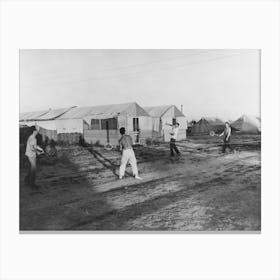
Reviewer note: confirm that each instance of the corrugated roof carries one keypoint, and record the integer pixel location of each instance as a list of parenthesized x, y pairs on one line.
[(32, 115), (105, 111), (159, 111), (54, 114)]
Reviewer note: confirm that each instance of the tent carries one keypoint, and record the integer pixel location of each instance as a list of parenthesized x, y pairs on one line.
[(205, 125), (167, 114), (94, 123), (247, 124), (31, 116), (102, 123)]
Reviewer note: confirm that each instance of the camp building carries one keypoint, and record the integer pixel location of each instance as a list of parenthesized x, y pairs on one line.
[(94, 124), (161, 115)]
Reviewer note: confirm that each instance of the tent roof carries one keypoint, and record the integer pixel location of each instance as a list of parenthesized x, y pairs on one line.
[(159, 111), (54, 114), (202, 126), (214, 121), (247, 123), (205, 125), (32, 115), (105, 111)]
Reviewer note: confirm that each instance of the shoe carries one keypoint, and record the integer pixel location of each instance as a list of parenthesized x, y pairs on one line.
[(137, 177)]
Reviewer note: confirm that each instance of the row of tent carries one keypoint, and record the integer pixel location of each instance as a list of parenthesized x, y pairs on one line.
[(101, 123), (244, 124)]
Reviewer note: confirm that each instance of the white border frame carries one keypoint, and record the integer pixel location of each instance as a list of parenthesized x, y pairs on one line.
[(177, 24)]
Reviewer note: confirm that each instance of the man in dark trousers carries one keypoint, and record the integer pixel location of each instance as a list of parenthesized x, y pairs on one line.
[(174, 135), (31, 152), (227, 134)]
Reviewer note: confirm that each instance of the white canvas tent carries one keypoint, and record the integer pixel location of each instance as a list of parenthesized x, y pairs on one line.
[(247, 124), (167, 114), (207, 124), (93, 122), (45, 119)]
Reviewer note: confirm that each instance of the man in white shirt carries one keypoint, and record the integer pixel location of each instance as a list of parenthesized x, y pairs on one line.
[(31, 152), (227, 134), (174, 134)]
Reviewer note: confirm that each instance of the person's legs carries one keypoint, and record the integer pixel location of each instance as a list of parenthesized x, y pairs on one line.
[(175, 148), (32, 173), (27, 177), (224, 146), (229, 145), (171, 147), (123, 164), (133, 163)]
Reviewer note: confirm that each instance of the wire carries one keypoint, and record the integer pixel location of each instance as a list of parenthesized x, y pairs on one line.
[(135, 65), (151, 71), (131, 66)]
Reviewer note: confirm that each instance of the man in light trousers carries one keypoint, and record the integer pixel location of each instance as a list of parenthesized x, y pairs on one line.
[(31, 152), (128, 155)]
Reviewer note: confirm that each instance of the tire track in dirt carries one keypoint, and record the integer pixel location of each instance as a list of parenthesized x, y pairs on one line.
[(181, 192), (135, 194), (119, 217)]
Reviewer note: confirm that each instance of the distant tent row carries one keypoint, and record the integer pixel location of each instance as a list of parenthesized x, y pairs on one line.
[(244, 124), (101, 123)]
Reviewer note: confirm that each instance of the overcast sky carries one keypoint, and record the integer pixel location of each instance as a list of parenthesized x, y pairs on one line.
[(223, 83)]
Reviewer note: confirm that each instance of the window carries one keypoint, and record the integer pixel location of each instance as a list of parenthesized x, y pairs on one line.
[(95, 124), (135, 124), (109, 124), (173, 121)]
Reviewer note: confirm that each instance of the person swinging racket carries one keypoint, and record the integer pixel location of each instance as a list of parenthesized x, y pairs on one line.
[(227, 134), (128, 155), (32, 149), (174, 135)]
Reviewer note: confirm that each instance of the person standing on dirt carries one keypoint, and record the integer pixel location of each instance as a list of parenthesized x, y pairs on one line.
[(31, 152), (227, 134), (128, 155), (173, 138)]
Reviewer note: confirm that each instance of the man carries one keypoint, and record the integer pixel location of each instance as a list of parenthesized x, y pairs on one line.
[(174, 134), (226, 133), (31, 151), (128, 155)]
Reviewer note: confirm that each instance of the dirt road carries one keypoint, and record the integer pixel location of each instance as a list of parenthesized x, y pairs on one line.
[(203, 190)]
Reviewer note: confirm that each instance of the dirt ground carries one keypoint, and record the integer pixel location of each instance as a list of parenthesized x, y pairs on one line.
[(203, 190)]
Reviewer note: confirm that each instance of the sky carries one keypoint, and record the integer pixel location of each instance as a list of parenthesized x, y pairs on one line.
[(207, 83)]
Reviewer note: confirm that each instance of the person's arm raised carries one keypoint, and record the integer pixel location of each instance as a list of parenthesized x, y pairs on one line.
[(169, 124)]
